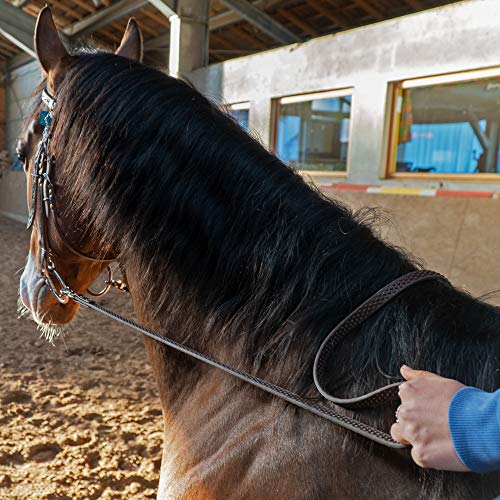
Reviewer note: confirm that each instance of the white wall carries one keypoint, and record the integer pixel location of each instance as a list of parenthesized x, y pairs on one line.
[(22, 82), (461, 36)]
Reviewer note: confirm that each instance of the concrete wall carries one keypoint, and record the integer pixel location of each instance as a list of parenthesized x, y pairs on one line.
[(20, 86), (457, 37)]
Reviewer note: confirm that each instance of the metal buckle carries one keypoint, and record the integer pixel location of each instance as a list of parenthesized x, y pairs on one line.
[(48, 100)]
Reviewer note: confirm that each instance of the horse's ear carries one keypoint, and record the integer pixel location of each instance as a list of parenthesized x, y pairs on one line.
[(131, 44), (48, 46)]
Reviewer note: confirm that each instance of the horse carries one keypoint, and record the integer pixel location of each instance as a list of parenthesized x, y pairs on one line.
[(228, 250)]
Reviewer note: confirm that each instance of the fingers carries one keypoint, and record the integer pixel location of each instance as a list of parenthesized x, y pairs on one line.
[(411, 374), (397, 434), (405, 392)]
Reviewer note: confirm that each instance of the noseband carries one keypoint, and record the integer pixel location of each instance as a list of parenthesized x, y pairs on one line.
[(44, 209)]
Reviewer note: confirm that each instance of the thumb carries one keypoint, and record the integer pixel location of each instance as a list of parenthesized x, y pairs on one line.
[(411, 374)]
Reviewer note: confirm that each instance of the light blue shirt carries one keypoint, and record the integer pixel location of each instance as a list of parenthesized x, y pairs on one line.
[(474, 419)]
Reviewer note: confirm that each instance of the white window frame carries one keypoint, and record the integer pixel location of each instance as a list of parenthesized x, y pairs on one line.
[(312, 96)]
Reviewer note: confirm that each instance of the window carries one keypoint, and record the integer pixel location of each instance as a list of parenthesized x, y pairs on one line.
[(240, 112), (312, 131), (447, 125)]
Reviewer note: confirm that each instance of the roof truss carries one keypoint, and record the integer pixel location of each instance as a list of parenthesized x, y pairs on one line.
[(261, 20), (17, 26)]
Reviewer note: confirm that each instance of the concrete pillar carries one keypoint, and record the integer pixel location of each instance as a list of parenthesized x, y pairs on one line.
[(367, 160), (3, 112), (260, 120), (189, 37), (492, 153)]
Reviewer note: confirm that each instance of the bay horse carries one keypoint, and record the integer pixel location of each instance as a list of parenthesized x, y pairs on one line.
[(230, 251)]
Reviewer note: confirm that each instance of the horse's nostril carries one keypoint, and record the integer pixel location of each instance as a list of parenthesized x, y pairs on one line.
[(23, 292)]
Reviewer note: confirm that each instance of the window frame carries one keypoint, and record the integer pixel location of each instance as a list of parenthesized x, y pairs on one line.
[(310, 96), (394, 117), (240, 106)]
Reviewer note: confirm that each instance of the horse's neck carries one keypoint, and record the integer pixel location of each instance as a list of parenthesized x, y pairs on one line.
[(224, 439)]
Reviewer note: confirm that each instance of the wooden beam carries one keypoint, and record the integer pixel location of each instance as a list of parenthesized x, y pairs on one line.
[(301, 23), (20, 3), (166, 7), (216, 22), (241, 35), (220, 40), (103, 17), (4, 52), (7, 45), (414, 4), (118, 10), (18, 60), (367, 7), (319, 6), (231, 17), (17, 26), (155, 18), (261, 20)]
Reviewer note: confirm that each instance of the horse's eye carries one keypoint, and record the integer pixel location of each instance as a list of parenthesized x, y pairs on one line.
[(21, 156)]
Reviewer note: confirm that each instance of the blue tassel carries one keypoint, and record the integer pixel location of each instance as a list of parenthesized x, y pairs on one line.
[(45, 118)]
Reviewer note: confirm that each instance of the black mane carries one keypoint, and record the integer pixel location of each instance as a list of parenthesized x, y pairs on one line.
[(236, 248)]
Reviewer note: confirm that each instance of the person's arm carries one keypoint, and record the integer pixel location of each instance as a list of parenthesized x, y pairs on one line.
[(439, 418), (474, 418)]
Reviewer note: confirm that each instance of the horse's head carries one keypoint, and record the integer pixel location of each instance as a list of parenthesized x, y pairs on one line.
[(60, 251)]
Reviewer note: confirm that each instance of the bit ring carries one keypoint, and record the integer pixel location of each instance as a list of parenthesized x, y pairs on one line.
[(107, 285)]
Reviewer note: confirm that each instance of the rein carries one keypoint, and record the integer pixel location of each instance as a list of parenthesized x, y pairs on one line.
[(43, 208)]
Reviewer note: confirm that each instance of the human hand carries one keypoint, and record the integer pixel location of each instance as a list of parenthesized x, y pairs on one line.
[(422, 419)]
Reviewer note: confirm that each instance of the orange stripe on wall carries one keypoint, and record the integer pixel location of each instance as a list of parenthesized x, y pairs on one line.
[(464, 194)]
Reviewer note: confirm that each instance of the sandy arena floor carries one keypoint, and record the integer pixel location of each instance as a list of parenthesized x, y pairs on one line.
[(80, 419)]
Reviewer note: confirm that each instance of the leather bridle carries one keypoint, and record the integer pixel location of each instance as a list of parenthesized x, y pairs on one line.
[(43, 208)]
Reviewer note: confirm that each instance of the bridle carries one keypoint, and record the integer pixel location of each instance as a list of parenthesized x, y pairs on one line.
[(43, 208)]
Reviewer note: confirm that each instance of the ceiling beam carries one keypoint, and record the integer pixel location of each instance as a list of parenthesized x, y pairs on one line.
[(103, 17), (214, 23), (122, 8), (261, 20), (230, 16), (367, 7), (166, 7), (87, 25), (18, 60), (338, 20), (17, 26), (301, 23), (20, 3), (414, 4)]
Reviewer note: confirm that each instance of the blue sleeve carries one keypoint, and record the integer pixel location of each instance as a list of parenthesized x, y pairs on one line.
[(474, 418)]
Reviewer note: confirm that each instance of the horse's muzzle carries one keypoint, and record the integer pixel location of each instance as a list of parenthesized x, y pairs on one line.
[(39, 300)]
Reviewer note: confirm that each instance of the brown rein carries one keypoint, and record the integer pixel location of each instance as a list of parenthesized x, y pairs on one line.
[(43, 205)]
